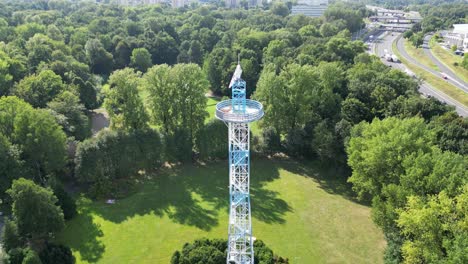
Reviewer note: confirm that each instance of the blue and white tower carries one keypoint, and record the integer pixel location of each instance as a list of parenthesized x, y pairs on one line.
[(238, 113)]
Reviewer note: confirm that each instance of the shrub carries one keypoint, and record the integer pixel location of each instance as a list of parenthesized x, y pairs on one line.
[(54, 254), (10, 237), (114, 156), (31, 257), (214, 252), (211, 140), (271, 140), (178, 146), (65, 201)]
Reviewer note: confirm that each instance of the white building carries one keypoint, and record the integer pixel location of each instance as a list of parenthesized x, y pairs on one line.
[(458, 37), (311, 8)]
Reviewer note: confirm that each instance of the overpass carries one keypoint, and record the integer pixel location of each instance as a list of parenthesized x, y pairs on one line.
[(395, 19)]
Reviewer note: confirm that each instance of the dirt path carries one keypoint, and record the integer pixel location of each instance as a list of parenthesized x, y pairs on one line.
[(99, 120)]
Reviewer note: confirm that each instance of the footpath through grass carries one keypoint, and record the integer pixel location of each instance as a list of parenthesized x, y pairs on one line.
[(434, 81), (447, 57), (300, 211)]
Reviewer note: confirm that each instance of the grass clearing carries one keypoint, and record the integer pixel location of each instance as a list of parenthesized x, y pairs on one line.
[(436, 82), (449, 59), (418, 55), (300, 211)]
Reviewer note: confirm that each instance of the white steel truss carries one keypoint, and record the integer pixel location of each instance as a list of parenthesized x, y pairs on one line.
[(240, 242)]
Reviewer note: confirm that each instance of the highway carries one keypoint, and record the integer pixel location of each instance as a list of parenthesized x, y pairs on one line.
[(446, 70), (384, 42), (401, 49)]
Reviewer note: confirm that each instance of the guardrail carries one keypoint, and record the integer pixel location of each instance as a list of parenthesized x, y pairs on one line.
[(254, 111)]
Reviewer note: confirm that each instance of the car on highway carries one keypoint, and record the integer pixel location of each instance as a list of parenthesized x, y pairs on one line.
[(444, 76)]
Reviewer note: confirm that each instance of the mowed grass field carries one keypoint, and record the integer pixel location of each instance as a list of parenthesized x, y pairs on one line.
[(302, 212)]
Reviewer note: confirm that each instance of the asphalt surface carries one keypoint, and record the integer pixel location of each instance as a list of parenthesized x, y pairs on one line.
[(401, 49), (443, 68), (384, 43)]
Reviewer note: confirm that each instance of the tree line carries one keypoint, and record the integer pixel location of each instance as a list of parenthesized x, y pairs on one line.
[(150, 68)]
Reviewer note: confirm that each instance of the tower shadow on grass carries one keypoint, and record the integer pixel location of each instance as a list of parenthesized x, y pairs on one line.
[(189, 195)]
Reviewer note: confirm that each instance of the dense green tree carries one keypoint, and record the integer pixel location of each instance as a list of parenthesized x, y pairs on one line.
[(123, 101), (435, 229), (100, 163), (280, 9), (39, 89), (6, 79), (405, 107), (37, 136), (141, 59), (31, 257), (352, 17), (214, 252), (211, 140), (218, 67), (100, 61), (35, 211), (122, 55), (177, 97), (53, 254), (287, 97), (41, 141), (69, 113), (451, 132), (10, 236), (11, 165), (465, 61), (271, 140), (376, 142)]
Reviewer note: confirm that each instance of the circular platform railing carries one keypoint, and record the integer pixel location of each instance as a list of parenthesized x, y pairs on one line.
[(254, 111)]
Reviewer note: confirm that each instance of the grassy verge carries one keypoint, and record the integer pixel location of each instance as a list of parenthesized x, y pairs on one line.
[(449, 59), (435, 81), (301, 211), (418, 54)]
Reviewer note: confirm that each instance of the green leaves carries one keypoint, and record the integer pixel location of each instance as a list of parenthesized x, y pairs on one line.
[(123, 102), (34, 210)]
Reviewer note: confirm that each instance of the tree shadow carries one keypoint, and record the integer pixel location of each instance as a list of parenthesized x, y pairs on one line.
[(82, 235), (331, 178), (190, 195), (166, 194)]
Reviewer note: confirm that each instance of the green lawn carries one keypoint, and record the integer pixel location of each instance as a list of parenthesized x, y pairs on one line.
[(301, 212), (418, 54)]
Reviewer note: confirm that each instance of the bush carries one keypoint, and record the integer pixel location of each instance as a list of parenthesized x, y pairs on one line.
[(114, 156), (31, 257), (295, 143), (65, 201), (215, 252), (271, 140), (54, 254), (10, 237), (211, 141), (15, 256), (178, 146)]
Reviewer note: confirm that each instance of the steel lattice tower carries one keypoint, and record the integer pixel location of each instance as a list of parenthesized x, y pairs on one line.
[(238, 113)]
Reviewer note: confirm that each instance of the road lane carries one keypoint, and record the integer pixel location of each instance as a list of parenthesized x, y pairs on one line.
[(401, 49), (385, 43), (450, 74)]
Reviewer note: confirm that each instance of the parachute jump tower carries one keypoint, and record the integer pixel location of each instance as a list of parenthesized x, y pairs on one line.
[(238, 113)]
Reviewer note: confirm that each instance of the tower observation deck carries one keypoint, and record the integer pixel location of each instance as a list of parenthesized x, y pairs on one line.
[(237, 113)]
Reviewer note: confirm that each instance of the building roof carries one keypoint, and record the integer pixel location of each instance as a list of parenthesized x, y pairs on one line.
[(460, 28)]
